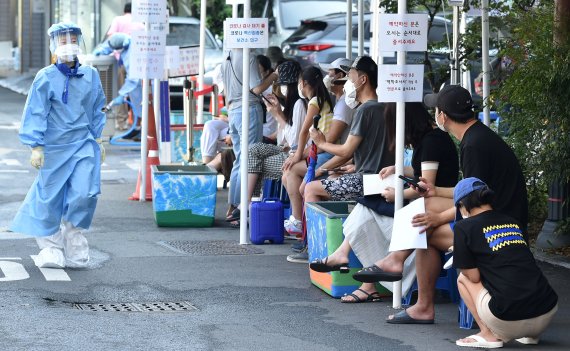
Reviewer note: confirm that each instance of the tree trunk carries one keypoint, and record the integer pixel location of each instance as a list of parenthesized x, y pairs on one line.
[(562, 22)]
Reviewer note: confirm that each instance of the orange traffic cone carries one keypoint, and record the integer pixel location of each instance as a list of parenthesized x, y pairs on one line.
[(151, 160)]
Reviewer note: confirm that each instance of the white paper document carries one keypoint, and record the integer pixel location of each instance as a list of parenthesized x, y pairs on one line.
[(373, 184), (404, 235)]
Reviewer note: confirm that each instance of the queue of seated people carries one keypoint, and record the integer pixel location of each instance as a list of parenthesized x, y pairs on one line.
[(356, 136)]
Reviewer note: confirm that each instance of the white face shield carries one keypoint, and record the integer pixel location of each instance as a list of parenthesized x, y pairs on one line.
[(67, 44)]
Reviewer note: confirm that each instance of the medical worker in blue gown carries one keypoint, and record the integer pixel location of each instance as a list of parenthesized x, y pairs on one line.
[(62, 124), (132, 87)]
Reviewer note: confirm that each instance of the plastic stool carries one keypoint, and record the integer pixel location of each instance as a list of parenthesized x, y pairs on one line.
[(447, 281), (465, 317), (272, 189)]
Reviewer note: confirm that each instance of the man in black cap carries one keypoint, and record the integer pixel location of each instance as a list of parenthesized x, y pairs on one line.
[(484, 155), (366, 142)]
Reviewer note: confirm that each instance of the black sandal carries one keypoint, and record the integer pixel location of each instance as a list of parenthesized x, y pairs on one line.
[(235, 216), (375, 274), (321, 266), (373, 297)]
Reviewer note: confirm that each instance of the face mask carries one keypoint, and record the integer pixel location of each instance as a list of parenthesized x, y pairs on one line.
[(327, 80), (350, 94), (300, 91), (440, 126), (68, 52), (283, 90)]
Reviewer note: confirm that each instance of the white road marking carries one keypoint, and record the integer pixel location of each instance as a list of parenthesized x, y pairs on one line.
[(15, 125), (13, 271), (11, 258), (10, 162), (133, 165), (109, 171), (6, 235), (53, 274), (14, 171)]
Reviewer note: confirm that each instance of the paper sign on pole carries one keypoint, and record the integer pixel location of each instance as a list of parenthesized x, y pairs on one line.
[(403, 32), (188, 61), (240, 33), (400, 83), (149, 11), (172, 59), (147, 54)]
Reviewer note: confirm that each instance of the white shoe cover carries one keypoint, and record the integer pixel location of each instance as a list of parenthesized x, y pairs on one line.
[(50, 257), (55, 240), (75, 246)]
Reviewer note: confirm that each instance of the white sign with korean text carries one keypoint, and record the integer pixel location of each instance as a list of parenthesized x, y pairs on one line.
[(151, 11), (242, 33), (172, 60), (147, 52), (403, 32), (400, 83), (188, 62)]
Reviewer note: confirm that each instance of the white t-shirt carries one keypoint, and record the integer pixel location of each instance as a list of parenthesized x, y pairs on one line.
[(289, 134), (344, 114)]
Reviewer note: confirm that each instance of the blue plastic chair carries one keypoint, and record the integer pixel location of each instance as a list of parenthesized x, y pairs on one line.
[(272, 188), (447, 282), (465, 317)]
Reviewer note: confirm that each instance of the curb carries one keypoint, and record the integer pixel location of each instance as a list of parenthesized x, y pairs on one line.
[(556, 260)]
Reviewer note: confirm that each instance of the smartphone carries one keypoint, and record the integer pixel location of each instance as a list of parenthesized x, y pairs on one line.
[(412, 182), (334, 170)]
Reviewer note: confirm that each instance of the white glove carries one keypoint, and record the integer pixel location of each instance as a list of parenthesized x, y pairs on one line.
[(101, 148), (37, 158)]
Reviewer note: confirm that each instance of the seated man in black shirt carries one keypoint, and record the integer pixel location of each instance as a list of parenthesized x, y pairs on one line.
[(500, 282), (483, 155)]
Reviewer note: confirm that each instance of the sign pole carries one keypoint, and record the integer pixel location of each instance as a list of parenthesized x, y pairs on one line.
[(400, 130), (360, 27), (485, 59), (144, 131), (244, 136), (200, 116), (349, 29)]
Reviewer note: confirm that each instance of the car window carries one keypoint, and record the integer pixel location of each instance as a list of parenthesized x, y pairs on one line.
[(308, 28), (186, 34), (367, 33), (437, 32), (293, 12)]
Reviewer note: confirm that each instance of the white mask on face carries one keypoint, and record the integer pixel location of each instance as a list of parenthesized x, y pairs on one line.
[(67, 52), (350, 94), (440, 126), (300, 91), (327, 80), (283, 89)]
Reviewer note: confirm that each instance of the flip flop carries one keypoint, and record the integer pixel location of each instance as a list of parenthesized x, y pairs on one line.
[(403, 317), (319, 265), (480, 342), (235, 216), (375, 274), (373, 297)]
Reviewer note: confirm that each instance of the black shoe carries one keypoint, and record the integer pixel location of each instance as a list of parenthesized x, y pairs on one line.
[(375, 274), (319, 265)]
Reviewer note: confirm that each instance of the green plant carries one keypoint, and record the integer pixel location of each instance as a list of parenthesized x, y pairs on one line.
[(533, 100)]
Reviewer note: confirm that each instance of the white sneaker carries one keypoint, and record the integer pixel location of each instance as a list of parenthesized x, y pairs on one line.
[(294, 226), (50, 257)]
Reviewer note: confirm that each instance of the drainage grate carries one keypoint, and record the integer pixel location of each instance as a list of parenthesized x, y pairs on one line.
[(210, 247), (180, 306)]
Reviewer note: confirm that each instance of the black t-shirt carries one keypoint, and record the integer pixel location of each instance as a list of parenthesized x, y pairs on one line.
[(437, 146), (486, 156), (493, 243)]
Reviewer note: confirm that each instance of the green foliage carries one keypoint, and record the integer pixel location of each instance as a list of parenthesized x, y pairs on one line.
[(534, 99)]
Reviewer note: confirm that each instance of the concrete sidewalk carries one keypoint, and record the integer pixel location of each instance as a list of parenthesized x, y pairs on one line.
[(254, 300)]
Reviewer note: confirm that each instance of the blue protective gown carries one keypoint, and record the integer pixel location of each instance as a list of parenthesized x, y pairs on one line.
[(132, 86), (69, 182)]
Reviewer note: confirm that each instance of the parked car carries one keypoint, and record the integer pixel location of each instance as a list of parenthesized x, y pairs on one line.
[(285, 15)]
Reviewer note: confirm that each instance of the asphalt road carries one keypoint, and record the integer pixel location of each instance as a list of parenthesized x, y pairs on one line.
[(242, 302)]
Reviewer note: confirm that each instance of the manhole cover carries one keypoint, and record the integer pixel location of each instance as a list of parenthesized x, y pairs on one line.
[(211, 247), (179, 306)]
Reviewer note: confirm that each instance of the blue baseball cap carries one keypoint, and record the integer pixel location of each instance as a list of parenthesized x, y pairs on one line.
[(465, 187)]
